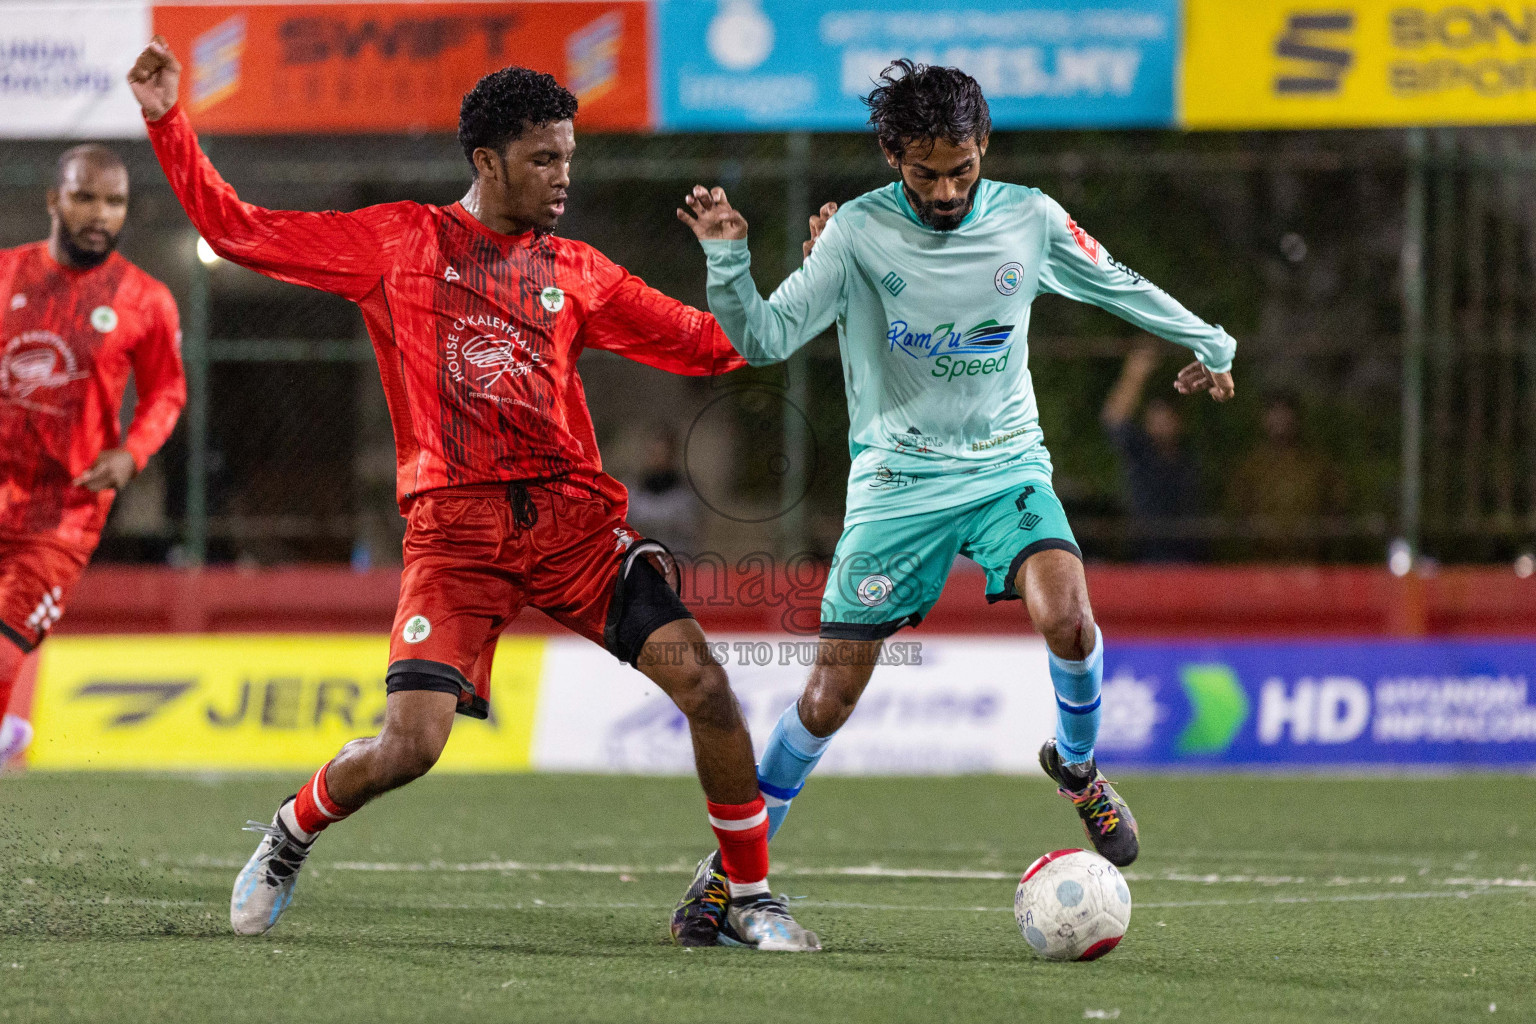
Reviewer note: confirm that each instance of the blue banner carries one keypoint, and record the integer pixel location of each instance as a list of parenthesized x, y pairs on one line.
[(1453, 703), (795, 64)]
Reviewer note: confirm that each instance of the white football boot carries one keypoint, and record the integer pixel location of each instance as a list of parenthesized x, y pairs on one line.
[(15, 736), (763, 922), (264, 886)]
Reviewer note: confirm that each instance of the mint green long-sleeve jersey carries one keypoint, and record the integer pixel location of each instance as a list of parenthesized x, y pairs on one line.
[(933, 328)]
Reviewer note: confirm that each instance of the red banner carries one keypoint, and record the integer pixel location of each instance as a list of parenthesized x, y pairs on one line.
[(399, 67)]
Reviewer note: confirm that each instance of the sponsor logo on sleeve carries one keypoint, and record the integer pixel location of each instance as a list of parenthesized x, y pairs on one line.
[(417, 629), (1085, 241)]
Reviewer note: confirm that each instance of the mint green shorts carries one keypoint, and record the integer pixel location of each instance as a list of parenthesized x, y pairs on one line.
[(888, 573)]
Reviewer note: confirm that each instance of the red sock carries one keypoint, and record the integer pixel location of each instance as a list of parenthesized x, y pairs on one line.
[(11, 660), (313, 808), (743, 833)]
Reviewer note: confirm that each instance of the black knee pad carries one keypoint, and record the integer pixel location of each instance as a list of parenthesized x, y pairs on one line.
[(643, 600), (439, 678)]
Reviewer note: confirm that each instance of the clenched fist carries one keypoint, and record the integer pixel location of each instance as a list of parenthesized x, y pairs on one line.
[(155, 78)]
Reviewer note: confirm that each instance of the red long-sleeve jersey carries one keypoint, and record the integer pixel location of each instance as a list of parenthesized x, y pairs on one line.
[(70, 338), (476, 333)]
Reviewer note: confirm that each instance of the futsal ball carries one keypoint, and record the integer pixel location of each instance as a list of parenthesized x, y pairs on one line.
[(1072, 905)]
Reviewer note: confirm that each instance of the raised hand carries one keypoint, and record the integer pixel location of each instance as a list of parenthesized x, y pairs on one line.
[(1195, 378), (711, 215), (818, 225), (155, 78)]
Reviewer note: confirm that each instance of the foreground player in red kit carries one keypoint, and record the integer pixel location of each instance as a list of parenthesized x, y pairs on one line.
[(477, 314), (75, 318)]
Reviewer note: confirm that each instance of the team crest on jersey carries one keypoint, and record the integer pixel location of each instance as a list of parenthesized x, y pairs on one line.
[(104, 319), (552, 299), (1009, 277), (484, 350), (34, 361), (18, 300)]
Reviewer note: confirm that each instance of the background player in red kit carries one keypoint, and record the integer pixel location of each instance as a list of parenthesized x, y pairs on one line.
[(477, 315), (75, 318)]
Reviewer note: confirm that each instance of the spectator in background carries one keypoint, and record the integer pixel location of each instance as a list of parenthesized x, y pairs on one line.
[(1281, 488), (1162, 479), (661, 503)]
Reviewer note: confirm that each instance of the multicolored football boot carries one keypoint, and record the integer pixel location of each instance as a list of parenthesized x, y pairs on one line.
[(1106, 818), (701, 914)]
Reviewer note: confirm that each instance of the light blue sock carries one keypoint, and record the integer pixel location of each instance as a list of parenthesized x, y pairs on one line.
[(1077, 686), (789, 757)]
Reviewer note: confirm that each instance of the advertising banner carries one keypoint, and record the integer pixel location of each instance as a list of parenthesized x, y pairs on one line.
[(792, 64), (945, 706), (63, 68), (1295, 64), (249, 702), (1385, 703), (937, 705), (399, 67)]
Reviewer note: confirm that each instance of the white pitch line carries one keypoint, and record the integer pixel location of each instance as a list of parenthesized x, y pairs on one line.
[(815, 904), (500, 866), (1361, 897), (812, 903), (856, 871)]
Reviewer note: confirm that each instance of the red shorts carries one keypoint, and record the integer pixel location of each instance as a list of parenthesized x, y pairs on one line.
[(476, 556), (36, 576)]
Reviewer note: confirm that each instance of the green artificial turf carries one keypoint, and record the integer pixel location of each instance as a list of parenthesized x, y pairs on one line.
[(545, 898)]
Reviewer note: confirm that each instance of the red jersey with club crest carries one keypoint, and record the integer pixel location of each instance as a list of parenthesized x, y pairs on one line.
[(68, 340), (476, 333)]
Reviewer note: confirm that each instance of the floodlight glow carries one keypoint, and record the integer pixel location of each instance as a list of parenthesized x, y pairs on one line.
[(205, 253)]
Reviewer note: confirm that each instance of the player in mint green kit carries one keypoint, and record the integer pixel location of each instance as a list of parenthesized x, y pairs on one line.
[(930, 281)]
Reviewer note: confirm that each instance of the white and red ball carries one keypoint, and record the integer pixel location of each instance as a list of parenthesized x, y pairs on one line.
[(1072, 905)]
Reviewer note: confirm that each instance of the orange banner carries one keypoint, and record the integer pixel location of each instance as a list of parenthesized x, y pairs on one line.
[(399, 67)]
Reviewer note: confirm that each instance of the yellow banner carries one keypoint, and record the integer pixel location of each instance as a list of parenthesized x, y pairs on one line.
[(1357, 63), (251, 702)]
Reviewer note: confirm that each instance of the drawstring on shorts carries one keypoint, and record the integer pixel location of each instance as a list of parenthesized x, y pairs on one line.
[(524, 512)]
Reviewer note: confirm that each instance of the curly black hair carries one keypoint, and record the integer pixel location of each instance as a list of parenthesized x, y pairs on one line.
[(918, 103), (504, 103)]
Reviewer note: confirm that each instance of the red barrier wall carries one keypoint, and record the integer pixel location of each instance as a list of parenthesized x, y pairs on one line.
[(1130, 601)]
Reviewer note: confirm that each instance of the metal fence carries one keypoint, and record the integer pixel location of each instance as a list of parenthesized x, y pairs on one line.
[(1378, 282)]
